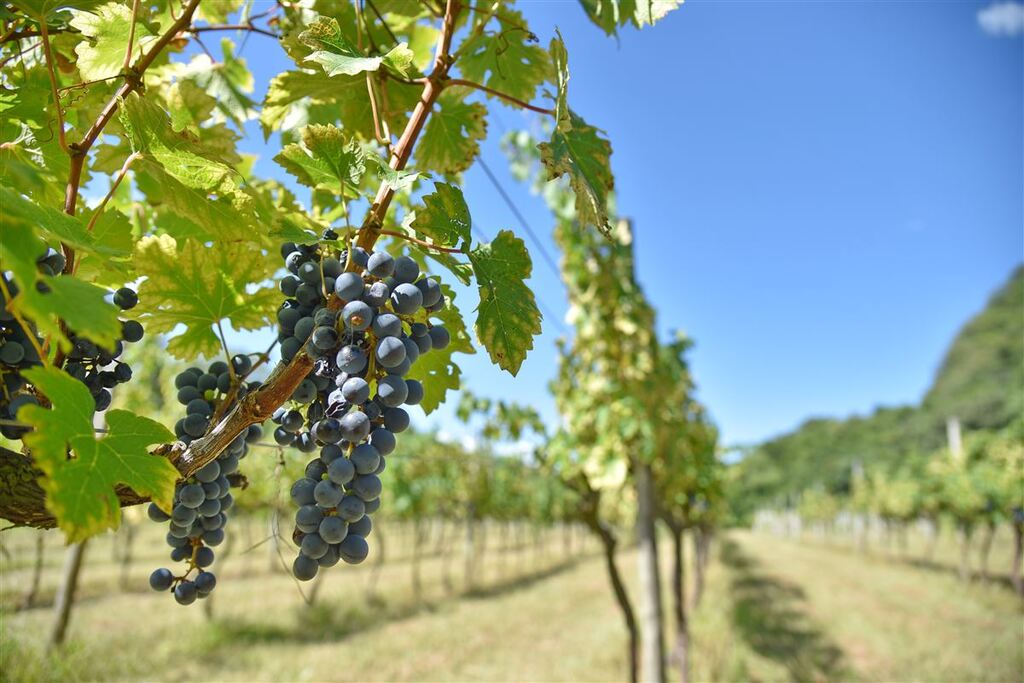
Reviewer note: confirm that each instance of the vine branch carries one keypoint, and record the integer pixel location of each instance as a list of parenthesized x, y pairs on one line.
[(497, 93), (422, 243)]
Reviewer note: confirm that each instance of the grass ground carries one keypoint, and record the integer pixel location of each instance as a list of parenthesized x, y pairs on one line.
[(774, 610)]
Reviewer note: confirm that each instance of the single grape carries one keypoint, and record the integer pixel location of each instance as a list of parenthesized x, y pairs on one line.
[(341, 471), (185, 593), (406, 299), (367, 486), (304, 568), (383, 440), (327, 494), (348, 286), (351, 508), (380, 264), (206, 582), (353, 549), (365, 458), (161, 579), (313, 546), (390, 351)]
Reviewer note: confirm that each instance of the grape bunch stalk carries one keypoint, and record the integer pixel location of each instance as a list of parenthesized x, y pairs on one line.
[(352, 397), (201, 502), (98, 368)]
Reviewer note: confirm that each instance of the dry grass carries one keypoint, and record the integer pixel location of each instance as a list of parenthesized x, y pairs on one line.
[(773, 611)]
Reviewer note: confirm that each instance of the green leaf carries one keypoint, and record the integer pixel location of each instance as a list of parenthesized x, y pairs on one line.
[(42, 8), (178, 181), (218, 11), (295, 98), (577, 150), (229, 82), (444, 218), (338, 56), (507, 317), (462, 271), (200, 287), (398, 181), (189, 105), (27, 228), (80, 491), (451, 138), (509, 61), (435, 369), (106, 31), (325, 161), (611, 14)]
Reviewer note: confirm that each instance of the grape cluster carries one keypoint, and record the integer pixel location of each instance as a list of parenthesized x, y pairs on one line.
[(201, 502), (370, 344), (96, 367)]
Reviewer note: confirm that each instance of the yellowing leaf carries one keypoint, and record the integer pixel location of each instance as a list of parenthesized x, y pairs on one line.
[(451, 138), (80, 490), (444, 217), (201, 287), (106, 30), (325, 161), (576, 149)]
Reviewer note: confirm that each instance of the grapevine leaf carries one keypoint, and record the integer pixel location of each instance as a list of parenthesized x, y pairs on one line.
[(179, 181), (80, 491), (149, 130), (507, 317), (510, 61), (27, 228), (292, 95), (199, 287), (444, 217), (436, 369), (462, 271), (106, 30), (218, 11), (609, 15), (338, 56), (189, 106), (42, 8), (451, 138), (325, 161), (398, 181), (576, 149), (228, 81)]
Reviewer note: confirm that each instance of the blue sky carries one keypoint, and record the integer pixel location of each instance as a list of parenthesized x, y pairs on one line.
[(822, 193)]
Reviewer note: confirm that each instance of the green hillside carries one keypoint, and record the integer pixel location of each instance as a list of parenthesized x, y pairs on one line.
[(980, 380)]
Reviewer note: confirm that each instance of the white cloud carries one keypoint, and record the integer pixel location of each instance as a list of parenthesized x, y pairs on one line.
[(1002, 18)]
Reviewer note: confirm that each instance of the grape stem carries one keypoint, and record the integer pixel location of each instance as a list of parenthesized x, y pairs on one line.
[(422, 243)]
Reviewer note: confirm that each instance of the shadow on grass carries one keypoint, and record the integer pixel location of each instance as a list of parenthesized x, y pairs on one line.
[(330, 621), (769, 615)]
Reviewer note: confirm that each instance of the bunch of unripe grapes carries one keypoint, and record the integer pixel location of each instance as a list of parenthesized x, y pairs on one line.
[(201, 502), (98, 368), (349, 406)]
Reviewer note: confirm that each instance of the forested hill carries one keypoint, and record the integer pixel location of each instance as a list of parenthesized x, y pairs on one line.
[(980, 380)]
